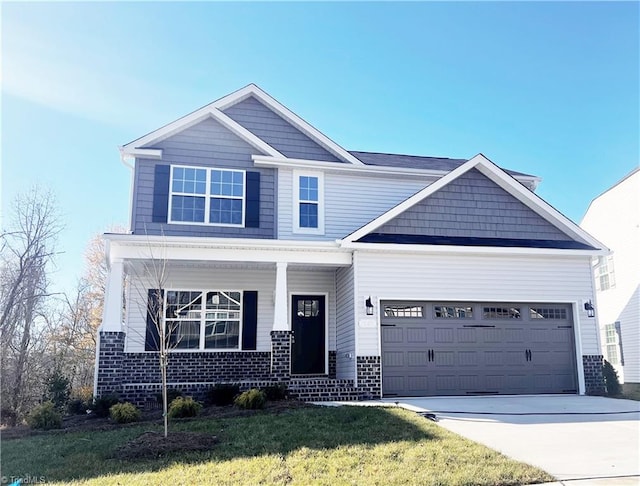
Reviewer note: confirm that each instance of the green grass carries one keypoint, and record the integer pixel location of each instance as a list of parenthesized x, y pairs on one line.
[(332, 446)]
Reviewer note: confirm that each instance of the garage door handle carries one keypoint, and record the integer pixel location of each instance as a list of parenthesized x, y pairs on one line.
[(527, 354), (430, 355)]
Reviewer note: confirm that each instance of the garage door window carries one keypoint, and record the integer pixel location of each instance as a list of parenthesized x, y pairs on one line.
[(392, 310), (452, 312), (501, 313), (545, 313)]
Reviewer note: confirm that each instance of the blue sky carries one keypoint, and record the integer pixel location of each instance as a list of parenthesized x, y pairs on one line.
[(545, 88)]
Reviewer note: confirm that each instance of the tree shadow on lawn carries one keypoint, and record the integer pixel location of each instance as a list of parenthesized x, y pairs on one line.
[(76, 457)]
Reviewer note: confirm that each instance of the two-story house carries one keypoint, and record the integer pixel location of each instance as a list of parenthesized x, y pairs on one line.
[(285, 258)]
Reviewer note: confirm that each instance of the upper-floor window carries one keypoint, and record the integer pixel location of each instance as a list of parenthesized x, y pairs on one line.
[(207, 196), (308, 203), (604, 273)]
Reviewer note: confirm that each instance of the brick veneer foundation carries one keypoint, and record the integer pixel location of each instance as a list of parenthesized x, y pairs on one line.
[(593, 379)]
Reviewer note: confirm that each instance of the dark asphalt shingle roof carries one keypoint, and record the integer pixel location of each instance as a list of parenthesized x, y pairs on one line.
[(415, 162)]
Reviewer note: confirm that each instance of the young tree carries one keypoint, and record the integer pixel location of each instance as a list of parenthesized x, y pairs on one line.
[(27, 249)]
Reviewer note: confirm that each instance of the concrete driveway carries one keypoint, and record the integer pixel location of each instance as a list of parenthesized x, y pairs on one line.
[(569, 436)]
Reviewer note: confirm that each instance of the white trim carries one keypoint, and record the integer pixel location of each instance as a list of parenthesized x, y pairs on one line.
[(142, 153), (207, 249), (319, 230), (192, 119), (500, 177), (326, 324), (289, 116), (207, 196), (470, 250)]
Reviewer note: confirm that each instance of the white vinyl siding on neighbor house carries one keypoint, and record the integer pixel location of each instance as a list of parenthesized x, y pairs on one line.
[(489, 278), (350, 201)]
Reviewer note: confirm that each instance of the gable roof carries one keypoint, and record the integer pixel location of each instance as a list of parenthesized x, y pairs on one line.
[(502, 179), (215, 110)]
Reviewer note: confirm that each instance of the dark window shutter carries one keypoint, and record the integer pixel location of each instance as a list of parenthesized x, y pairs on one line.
[(252, 216), (249, 319), (161, 178), (152, 337)]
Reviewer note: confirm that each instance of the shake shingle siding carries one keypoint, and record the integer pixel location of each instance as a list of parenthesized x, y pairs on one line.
[(207, 144), (473, 206), (276, 131)]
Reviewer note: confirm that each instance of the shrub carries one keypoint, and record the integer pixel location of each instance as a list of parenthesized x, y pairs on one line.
[(611, 380), (222, 394), (276, 392), (123, 413), (184, 407), (101, 405), (58, 389), (45, 416), (75, 406), (252, 399), (172, 394)]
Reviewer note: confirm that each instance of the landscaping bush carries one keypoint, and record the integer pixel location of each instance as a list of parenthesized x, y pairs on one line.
[(611, 380), (45, 416), (222, 394), (182, 407), (123, 413), (276, 392), (252, 399), (58, 389), (76, 406), (172, 394), (101, 405)]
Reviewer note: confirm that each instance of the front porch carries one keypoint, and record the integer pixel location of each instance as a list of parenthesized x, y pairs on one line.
[(294, 339)]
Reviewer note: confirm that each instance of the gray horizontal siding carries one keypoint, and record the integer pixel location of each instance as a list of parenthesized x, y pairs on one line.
[(473, 206), (277, 132), (207, 144)]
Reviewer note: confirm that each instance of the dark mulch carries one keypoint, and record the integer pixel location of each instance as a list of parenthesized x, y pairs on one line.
[(84, 423), (151, 445)]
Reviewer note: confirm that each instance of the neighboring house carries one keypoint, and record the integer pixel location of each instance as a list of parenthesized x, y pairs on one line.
[(345, 275), (614, 218)]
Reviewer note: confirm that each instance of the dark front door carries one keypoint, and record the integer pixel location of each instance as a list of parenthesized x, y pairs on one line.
[(308, 353)]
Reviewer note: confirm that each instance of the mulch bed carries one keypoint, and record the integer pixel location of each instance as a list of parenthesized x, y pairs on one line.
[(84, 423), (151, 445)]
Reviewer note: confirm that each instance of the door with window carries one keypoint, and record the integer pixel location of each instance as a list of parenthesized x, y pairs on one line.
[(308, 349)]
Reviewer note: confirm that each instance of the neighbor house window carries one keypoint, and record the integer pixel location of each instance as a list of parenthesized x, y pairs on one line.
[(604, 273), (207, 319), (611, 340), (207, 196), (308, 202)]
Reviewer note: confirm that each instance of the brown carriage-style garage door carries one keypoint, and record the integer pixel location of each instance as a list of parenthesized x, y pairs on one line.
[(471, 348)]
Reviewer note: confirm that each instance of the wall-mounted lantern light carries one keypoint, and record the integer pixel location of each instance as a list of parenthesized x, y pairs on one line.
[(369, 306), (588, 306)]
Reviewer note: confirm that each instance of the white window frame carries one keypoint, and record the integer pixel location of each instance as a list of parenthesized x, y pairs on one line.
[(208, 196), (203, 319), (297, 201)]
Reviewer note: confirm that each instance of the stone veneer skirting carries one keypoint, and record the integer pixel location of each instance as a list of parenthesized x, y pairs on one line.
[(593, 378)]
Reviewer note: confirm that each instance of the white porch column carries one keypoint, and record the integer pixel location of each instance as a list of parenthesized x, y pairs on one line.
[(280, 318), (112, 313)]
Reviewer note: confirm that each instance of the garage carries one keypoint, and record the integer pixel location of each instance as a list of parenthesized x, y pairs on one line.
[(477, 348)]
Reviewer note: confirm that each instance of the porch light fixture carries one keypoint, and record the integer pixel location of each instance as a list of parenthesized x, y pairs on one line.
[(588, 306), (369, 306)]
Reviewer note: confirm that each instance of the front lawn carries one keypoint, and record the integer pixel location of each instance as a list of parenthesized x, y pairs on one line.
[(344, 445)]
